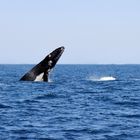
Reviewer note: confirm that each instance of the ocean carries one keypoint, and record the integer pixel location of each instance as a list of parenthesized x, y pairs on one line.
[(80, 102)]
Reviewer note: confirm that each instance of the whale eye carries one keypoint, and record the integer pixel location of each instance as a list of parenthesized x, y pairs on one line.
[(49, 55)]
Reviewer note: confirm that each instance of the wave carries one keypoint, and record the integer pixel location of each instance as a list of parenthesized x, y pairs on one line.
[(104, 78), (3, 84), (46, 96), (136, 79), (4, 106)]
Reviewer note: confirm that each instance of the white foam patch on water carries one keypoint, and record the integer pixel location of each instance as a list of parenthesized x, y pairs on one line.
[(104, 78), (107, 78), (50, 80)]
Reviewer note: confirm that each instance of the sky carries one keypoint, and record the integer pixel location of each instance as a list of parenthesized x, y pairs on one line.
[(92, 31)]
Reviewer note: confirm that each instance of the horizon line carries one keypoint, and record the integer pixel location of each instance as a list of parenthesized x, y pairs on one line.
[(74, 64)]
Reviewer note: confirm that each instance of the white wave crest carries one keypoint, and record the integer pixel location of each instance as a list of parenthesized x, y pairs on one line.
[(105, 78)]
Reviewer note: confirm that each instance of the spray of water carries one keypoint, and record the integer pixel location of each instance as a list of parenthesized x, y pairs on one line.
[(104, 78)]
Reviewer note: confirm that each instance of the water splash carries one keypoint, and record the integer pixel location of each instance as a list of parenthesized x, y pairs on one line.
[(104, 78), (50, 80)]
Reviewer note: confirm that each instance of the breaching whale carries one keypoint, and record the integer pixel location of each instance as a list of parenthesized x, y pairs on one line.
[(41, 71)]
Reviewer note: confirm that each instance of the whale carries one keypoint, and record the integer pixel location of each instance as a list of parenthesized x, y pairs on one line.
[(40, 72)]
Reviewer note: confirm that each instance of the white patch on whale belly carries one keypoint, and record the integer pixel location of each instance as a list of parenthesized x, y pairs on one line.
[(39, 77)]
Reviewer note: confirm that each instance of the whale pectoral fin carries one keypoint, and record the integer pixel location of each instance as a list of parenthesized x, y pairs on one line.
[(46, 75)]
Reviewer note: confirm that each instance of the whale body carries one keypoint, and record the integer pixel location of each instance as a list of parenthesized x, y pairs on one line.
[(40, 72)]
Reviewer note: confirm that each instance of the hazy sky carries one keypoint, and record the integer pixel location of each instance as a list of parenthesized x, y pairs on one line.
[(93, 31)]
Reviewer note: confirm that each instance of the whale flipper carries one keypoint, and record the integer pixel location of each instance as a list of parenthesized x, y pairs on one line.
[(41, 71)]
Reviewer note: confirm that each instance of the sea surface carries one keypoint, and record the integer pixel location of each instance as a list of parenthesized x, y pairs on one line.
[(80, 102)]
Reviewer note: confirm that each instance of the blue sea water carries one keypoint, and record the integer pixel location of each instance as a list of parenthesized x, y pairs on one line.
[(81, 102)]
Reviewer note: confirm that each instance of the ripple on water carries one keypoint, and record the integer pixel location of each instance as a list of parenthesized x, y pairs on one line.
[(4, 106), (131, 116), (46, 96), (127, 103)]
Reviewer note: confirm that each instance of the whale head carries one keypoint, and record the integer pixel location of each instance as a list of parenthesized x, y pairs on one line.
[(53, 57)]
